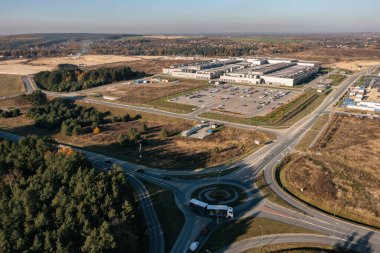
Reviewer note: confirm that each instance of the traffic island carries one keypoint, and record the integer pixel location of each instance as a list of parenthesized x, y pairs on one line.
[(220, 194)]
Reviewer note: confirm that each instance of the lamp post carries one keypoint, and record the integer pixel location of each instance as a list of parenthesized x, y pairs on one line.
[(261, 239)]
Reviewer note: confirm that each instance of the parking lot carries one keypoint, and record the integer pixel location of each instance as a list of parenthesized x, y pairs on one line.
[(236, 100)]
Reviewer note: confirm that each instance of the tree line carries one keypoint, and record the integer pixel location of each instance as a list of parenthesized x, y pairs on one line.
[(72, 78), (54, 202), (15, 112)]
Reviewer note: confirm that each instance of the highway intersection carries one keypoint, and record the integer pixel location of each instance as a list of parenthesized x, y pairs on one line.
[(334, 230)]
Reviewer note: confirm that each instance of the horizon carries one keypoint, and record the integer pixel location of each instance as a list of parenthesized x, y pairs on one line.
[(170, 17)]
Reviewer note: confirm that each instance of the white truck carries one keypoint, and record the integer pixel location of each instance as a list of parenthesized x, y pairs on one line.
[(211, 210)]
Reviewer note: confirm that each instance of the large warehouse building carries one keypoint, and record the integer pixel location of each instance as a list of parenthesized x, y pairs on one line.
[(249, 71)]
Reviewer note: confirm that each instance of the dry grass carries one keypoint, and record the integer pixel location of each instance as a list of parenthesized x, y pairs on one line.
[(175, 152), (340, 174), (10, 84)]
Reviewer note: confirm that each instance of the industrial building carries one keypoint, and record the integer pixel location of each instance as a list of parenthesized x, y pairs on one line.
[(249, 71)]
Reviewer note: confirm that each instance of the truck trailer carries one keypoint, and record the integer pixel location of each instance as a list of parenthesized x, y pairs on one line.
[(211, 210)]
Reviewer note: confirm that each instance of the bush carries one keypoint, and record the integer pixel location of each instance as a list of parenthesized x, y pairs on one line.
[(164, 134), (10, 114), (215, 151), (126, 118)]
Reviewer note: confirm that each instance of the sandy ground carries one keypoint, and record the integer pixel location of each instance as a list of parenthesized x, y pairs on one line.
[(355, 65), (20, 67), (27, 67)]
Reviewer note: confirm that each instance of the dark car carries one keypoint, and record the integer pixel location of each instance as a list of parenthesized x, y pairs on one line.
[(166, 177), (140, 170), (205, 231)]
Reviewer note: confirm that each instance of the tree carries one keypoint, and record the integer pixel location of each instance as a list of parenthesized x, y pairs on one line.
[(96, 130), (144, 128), (54, 201), (126, 118), (37, 98), (164, 134)]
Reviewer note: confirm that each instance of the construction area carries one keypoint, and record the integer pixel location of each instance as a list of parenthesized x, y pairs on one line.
[(365, 96), (251, 71), (240, 101)]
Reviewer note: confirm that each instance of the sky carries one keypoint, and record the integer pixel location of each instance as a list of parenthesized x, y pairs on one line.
[(189, 16)]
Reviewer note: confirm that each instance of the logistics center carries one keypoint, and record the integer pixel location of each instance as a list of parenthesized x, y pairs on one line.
[(248, 71)]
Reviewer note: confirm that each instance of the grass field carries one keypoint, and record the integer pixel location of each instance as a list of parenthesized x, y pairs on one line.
[(238, 230), (10, 85), (283, 116), (336, 79), (167, 213), (342, 169)]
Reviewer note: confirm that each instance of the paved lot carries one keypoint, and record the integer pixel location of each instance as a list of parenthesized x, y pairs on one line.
[(241, 101)]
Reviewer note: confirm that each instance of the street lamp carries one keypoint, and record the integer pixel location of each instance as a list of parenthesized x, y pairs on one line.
[(219, 175), (261, 239)]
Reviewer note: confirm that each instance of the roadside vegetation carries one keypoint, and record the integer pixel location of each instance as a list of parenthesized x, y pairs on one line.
[(283, 116), (242, 229), (53, 201), (170, 217), (72, 78), (10, 85), (341, 169)]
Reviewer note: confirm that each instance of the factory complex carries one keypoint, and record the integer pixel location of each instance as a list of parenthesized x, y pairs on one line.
[(247, 71)]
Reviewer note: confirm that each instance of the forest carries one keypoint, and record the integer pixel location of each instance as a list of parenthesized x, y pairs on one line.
[(66, 116), (72, 78), (52, 201)]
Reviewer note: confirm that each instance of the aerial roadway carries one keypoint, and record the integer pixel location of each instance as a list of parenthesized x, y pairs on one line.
[(335, 230)]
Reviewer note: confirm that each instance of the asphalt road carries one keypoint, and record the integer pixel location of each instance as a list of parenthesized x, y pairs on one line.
[(260, 241), (264, 159)]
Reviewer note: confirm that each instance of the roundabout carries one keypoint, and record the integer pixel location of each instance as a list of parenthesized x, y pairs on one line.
[(220, 194)]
